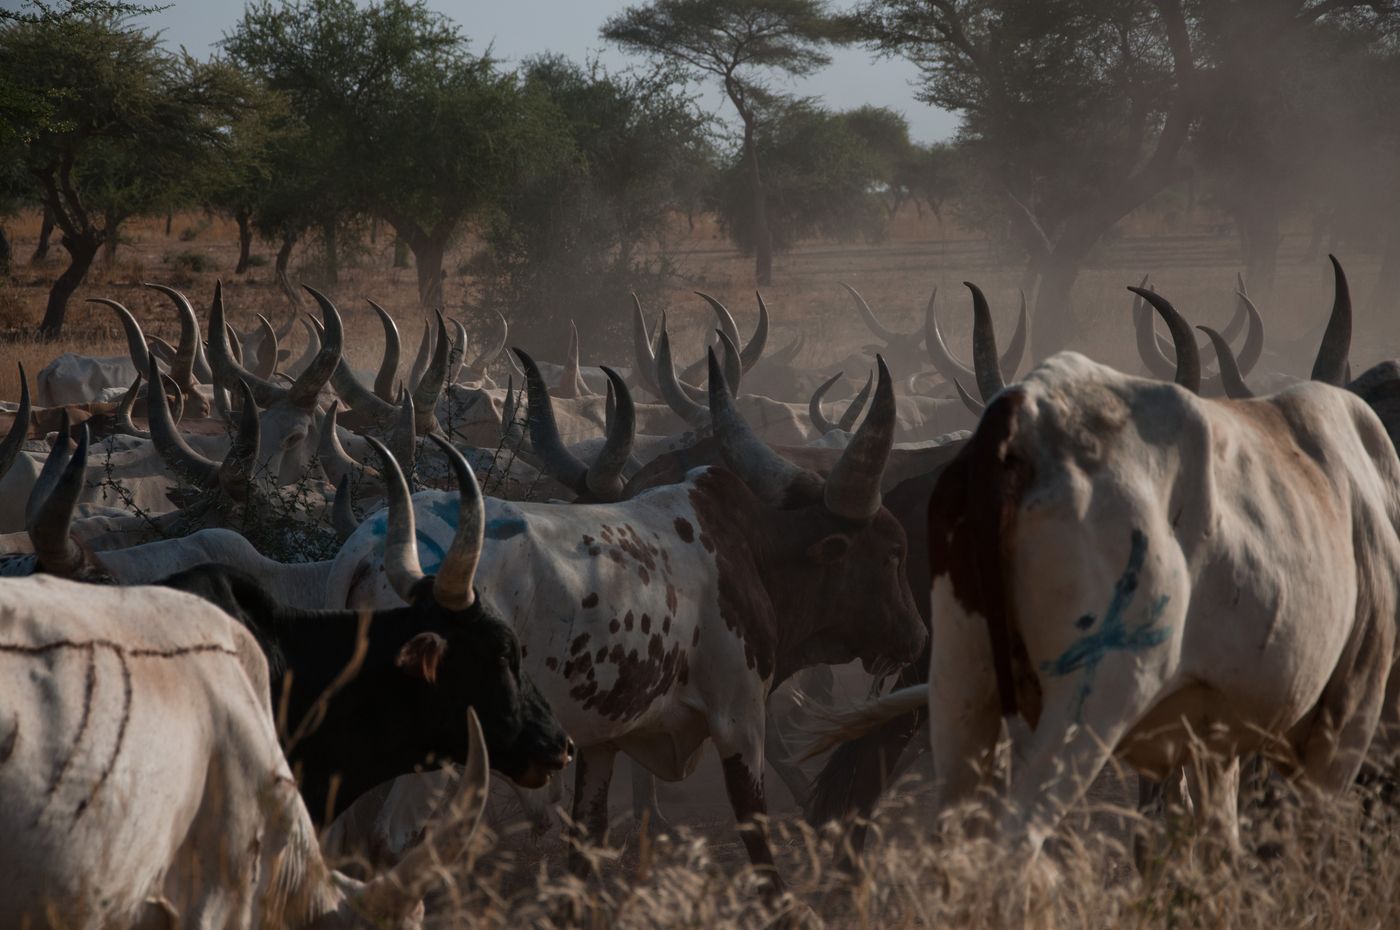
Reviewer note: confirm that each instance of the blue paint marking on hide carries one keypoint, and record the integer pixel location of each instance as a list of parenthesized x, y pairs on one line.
[(1113, 634), (504, 527), (430, 551)]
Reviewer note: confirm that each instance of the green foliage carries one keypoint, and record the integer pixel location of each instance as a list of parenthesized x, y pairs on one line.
[(400, 119), (574, 240), (822, 176)]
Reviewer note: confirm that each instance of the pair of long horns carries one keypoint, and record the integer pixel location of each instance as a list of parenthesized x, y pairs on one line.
[(601, 481), (673, 391), (848, 419), (234, 473), (1232, 367), (989, 370), (188, 364), (1331, 365), (304, 391), (646, 350), (453, 584), (852, 487), (437, 357)]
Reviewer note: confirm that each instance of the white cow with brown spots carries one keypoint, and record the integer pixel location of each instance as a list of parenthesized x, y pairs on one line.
[(143, 783), (654, 624)]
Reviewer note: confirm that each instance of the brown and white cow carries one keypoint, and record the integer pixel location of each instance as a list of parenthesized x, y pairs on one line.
[(654, 624), (143, 782), (1131, 566)]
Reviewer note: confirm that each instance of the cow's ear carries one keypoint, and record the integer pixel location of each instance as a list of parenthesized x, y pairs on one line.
[(420, 656), (831, 549)]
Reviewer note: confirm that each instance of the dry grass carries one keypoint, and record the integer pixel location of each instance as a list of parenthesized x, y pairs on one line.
[(1190, 263), (1335, 865)]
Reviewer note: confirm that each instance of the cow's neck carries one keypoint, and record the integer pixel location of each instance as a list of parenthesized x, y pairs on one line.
[(765, 594)]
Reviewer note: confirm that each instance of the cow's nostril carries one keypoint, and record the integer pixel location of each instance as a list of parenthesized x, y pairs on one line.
[(569, 749)]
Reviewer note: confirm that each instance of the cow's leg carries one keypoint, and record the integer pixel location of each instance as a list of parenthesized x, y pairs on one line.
[(645, 805), (962, 708), (740, 749), (780, 758), (592, 779)]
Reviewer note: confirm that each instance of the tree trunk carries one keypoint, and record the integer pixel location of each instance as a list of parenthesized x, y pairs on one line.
[(428, 252), (762, 235), (41, 249), (112, 240), (1055, 327), (374, 230), (400, 252), (83, 250), (6, 251), (284, 251), (330, 242), (169, 222), (245, 240), (1260, 237)]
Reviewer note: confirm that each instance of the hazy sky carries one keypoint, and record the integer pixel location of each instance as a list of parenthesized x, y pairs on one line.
[(519, 28)]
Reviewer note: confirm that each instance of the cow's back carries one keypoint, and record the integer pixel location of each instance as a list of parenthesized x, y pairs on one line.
[(137, 755)]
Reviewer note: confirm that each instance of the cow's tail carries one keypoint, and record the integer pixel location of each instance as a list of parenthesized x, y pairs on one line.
[(831, 726)]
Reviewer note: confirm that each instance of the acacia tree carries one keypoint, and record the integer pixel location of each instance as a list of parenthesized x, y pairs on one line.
[(120, 123), (414, 129), (742, 43), (1078, 112), (823, 178)]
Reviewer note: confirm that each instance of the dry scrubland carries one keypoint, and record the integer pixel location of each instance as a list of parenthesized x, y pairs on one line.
[(1193, 264), (1333, 864)]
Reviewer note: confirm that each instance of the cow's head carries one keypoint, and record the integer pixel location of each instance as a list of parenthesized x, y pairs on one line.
[(287, 414), (834, 558), (466, 654)]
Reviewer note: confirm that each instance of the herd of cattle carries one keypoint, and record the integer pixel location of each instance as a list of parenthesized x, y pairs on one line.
[(189, 728)]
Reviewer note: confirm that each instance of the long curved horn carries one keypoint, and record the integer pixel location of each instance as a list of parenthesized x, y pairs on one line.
[(644, 362), (389, 363), (268, 347), (488, 356), (854, 408), (313, 346), (733, 367), (1015, 352), (193, 468), (19, 427), (420, 361), (428, 391), (306, 389), (360, 399), (1230, 377), (604, 476), (135, 339), (236, 471), (1158, 365), (1331, 363), (1188, 359), (853, 484), (335, 461), (558, 461), (53, 466), (124, 424), (190, 362), (726, 323), (671, 392), (403, 439), (343, 519), (401, 563), (985, 362), (770, 477), (570, 383), (453, 585), (876, 327), (814, 406), (227, 370), (395, 895), (970, 402), (938, 352), (51, 526), (457, 355), (1238, 320), (789, 352), (753, 349)]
